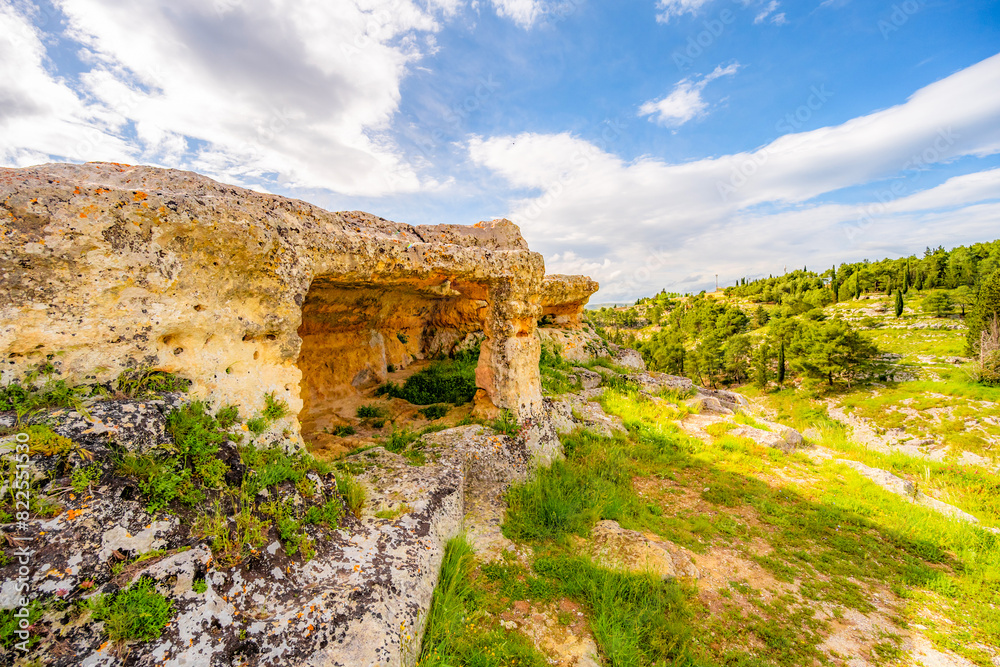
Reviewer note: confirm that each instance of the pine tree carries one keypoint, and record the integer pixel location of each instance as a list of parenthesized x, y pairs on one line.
[(899, 303)]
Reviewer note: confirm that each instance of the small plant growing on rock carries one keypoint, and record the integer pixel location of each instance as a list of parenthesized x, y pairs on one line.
[(506, 424), (228, 416), (274, 408), (83, 477), (136, 613), (148, 383), (257, 425), (352, 491), (199, 586)]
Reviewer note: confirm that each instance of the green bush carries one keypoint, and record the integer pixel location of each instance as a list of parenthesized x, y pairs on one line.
[(136, 613), (448, 381), (372, 411), (434, 411)]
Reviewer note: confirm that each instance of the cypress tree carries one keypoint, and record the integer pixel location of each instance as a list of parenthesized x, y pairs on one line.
[(899, 303), (985, 309), (781, 364)]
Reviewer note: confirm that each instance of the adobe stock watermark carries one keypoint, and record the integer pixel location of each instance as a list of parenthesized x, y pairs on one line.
[(913, 167), (21, 487), (789, 123), (899, 16), (698, 43), (581, 161)]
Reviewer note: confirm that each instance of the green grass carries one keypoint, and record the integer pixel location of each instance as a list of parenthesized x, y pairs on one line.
[(352, 491), (274, 408), (840, 537), (146, 383), (637, 619), (506, 423), (372, 411), (136, 613), (458, 630)]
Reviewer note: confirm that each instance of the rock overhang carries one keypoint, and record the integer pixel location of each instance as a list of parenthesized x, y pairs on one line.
[(107, 266)]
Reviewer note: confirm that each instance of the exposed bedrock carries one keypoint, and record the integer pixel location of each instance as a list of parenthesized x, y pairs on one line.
[(106, 266)]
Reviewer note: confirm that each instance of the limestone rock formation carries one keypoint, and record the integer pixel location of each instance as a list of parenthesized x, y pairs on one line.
[(107, 266), (564, 297)]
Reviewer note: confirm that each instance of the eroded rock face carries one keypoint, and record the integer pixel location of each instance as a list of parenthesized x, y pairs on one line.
[(564, 297), (106, 266)]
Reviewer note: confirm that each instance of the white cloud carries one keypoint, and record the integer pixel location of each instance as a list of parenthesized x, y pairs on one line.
[(685, 101), (672, 8), (521, 12), (40, 115), (767, 11), (751, 210), (302, 98)]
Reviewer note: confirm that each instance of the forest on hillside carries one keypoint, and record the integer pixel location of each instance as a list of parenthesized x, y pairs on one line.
[(770, 330)]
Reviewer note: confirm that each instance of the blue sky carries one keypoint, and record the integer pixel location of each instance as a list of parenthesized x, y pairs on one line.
[(648, 143)]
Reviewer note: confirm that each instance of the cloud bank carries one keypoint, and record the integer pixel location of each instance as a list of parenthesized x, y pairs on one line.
[(651, 219)]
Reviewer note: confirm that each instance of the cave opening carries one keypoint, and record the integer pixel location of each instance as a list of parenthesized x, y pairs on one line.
[(358, 335)]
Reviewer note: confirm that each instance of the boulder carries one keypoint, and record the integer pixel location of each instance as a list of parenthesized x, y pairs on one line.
[(762, 437), (588, 378)]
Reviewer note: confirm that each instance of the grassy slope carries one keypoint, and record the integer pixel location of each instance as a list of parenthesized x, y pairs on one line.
[(800, 554)]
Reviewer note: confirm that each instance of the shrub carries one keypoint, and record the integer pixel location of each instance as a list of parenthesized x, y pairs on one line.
[(434, 411), (372, 411), (341, 431), (449, 381), (228, 416), (399, 440), (257, 425), (138, 612)]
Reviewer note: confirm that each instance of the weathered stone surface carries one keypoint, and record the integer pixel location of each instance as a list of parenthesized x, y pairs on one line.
[(572, 411), (629, 550), (762, 437), (563, 299), (361, 601), (575, 345), (588, 378), (654, 382), (708, 404), (627, 357), (246, 294)]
